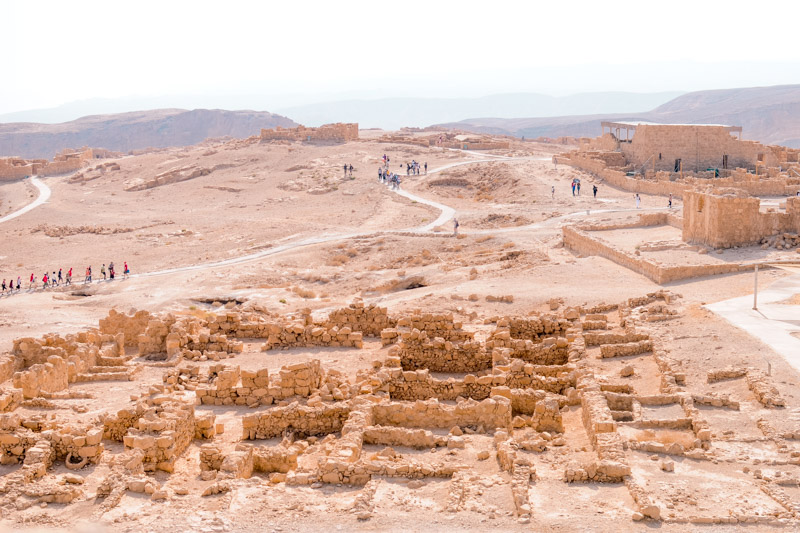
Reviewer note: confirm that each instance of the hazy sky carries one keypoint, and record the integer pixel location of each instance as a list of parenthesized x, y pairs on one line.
[(303, 51)]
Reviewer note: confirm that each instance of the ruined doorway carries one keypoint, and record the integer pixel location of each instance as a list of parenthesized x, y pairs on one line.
[(677, 165), (725, 161)]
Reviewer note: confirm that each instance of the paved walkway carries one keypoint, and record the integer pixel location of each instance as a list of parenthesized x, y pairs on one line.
[(773, 323), (44, 195)]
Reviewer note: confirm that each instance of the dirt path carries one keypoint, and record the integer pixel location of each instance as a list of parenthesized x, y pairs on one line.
[(44, 195)]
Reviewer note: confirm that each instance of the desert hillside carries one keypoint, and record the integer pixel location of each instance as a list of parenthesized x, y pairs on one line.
[(767, 114), (123, 132)]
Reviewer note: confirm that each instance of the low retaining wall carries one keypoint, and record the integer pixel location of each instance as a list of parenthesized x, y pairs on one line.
[(580, 241)]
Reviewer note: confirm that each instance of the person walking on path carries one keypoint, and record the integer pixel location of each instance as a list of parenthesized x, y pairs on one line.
[(579, 187), (111, 270), (455, 227), (33, 281), (69, 276), (573, 187), (426, 167), (670, 201), (126, 271), (638, 200), (53, 280), (103, 271), (594, 190), (345, 170), (19, 283), (88, 278), (60, 279), (553, 192)]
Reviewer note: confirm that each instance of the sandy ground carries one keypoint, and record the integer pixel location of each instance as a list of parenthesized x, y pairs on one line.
[(275, 194), (15, 195)]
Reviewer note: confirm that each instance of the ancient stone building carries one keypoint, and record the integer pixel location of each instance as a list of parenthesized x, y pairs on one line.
[(690, 147), (332, 133), (68, 160), (727, 220), (14, 168)]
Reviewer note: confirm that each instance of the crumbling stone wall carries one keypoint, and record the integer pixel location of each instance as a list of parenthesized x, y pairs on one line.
[(49, 377), (757, 381), (46, 366), (551, 351), (369, 320), (248, 458), (14, 168), (162, 433), (339, 132), (304, 421), (534, 329), (77, 445), (417, 351), (228, 385), (400, 436), (724, 221), (130, 324), (436, 325), (490, 413)]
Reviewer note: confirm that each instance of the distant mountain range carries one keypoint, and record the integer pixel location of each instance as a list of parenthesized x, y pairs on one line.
[(133, 131), (767, 114), (395, 113)]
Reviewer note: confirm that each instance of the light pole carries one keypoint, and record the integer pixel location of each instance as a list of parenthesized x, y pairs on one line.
[(755, 289)]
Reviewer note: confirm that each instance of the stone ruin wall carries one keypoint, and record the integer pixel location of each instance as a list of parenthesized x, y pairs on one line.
[(339, 133), (480, 145), (582, 240), (699, 147), (727, 221), (66, 161), (228, 385), (14, 169), (662, 184), (703, 146), (402, 139)]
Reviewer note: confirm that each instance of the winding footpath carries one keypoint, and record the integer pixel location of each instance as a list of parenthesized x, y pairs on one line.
[(44, 195)]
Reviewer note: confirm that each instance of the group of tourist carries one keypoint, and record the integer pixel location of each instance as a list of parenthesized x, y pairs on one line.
[(111, 272), (384, 176), (413, 168), (348, 168), (576, 187), (59, 278)]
